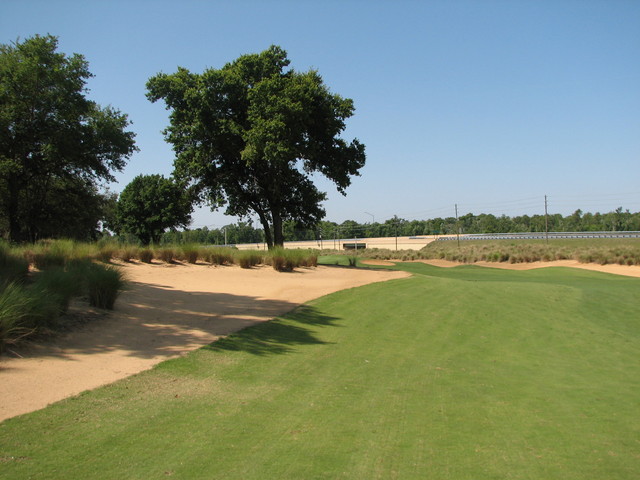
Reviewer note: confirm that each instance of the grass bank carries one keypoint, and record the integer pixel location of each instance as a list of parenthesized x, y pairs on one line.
[(464, 373), (597, 250), (602, 251)]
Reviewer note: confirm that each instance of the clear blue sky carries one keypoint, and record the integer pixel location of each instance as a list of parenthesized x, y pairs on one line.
[(490, 105)]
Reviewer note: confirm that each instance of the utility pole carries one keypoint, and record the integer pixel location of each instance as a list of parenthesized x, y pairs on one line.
[(546, 220), (457, 226)]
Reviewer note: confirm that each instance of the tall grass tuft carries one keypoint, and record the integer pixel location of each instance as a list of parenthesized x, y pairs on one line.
[(105, 254), (13, 268), (23, 311), (190, 253), (103, 284), (14, 308), (61, 285), (166, 254), (249, 258), (145, 255), (284, 260), (126, 253), (220, 256)]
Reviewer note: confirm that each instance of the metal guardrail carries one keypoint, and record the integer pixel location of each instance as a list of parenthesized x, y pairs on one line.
[(540, 236)]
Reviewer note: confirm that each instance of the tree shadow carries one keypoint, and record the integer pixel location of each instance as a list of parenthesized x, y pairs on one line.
[(278, 336), (157, 321)]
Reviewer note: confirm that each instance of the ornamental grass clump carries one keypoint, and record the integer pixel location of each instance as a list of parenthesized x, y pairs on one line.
[(13, 268), (15, 306), (145, 255), (60, 284), (44, 259), (126, 253), (105, 254), (103, 284), (279, 261), (23, 311), (249, 258), (190, 253), (220, 256), (165, 254), (284, 260)]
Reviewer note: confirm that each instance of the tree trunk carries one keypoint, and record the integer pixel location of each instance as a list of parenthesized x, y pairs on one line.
[(278, 237), (267, 230)]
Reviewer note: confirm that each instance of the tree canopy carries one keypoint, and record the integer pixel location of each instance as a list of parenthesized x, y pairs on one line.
[(251, 134), (151, 204), (55, 144)]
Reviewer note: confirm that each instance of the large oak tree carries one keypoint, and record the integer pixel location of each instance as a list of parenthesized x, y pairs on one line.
[(251, 134), (56, 146)]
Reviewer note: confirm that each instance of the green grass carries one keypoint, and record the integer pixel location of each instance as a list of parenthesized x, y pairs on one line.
[(340, 260), (464, 373)]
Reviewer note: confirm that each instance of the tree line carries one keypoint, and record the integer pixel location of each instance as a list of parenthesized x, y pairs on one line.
[(326, 231)]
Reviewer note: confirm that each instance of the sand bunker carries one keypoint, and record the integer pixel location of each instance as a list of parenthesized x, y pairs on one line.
[(169, 310)]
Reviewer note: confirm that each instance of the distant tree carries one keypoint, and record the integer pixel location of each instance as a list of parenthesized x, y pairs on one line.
[(242, 232), (151, 204), (55, 144), (249, 135)]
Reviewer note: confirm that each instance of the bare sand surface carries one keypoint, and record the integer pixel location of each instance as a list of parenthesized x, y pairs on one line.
[(168, 311)]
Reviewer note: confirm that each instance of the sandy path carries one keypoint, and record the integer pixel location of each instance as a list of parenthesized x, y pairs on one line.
[(168, 311)]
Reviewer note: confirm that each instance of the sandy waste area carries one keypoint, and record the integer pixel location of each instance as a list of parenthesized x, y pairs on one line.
[(167, 311)]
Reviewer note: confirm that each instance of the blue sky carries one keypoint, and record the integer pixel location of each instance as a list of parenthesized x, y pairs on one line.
[(490, 105)]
